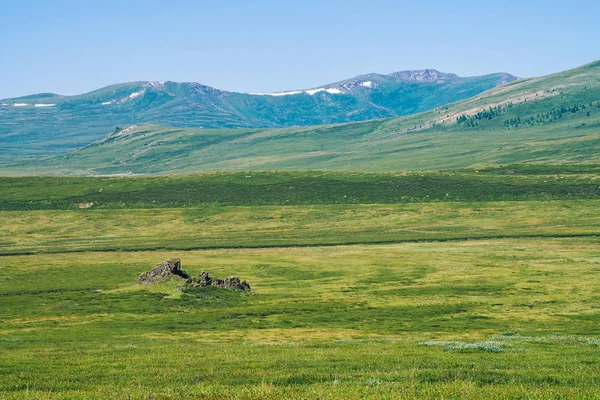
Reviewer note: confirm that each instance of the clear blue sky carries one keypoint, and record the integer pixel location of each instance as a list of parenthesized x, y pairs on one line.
[(71, 47)]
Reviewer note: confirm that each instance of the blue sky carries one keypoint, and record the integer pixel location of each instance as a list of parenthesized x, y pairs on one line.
[(71, 47)]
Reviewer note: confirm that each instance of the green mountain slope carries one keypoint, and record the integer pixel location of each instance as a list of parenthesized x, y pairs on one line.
[(551, 119), (49, 124)]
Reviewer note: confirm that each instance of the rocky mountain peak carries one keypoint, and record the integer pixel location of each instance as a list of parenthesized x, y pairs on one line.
[(423, 75)]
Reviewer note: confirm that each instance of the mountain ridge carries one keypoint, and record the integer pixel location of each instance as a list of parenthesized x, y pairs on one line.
[(544, 120), (424, 75), (48, 124), (417, 75)]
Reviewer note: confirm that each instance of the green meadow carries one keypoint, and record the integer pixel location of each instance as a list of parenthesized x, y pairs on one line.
[(451, 284)]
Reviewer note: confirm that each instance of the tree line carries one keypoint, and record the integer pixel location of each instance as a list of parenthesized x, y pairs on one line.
[(472, 121)]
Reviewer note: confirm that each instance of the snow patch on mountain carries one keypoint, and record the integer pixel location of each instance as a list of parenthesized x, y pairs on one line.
[(130, 97), (293, 92), (356, 84), (137, 94), (329, 90), (277, 93)]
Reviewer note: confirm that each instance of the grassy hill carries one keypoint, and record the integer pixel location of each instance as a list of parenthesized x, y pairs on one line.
[(551, 119), (49, 124)]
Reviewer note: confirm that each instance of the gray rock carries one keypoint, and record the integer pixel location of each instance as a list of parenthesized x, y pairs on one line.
[(171, 269), (163, 272), (233, 282)]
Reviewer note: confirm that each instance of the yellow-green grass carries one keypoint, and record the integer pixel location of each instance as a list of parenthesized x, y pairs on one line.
[(270, 226), (438, 298), (495, 318)]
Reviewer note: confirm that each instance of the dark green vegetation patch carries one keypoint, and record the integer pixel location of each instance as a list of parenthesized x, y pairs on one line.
[(300, 188)]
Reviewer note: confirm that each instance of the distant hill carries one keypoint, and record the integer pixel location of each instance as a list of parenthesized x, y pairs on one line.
[(50, 124), (546, 120)]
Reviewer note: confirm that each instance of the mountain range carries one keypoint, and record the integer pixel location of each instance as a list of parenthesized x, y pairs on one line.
[(545, 120), (49, 124), (552, 119)]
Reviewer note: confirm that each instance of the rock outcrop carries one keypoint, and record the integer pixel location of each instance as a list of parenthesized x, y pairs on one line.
[(163, 272), (171, 269), (233, 282), (424, 75)]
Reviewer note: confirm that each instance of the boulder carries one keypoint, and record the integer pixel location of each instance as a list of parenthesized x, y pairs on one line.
[(233, 282), (163, 272)]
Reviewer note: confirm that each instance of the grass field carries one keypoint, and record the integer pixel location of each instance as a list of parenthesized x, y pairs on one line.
[(372, 296), (282, 188)]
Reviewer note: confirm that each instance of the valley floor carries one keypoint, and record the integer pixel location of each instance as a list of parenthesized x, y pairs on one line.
[(492, 299)]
